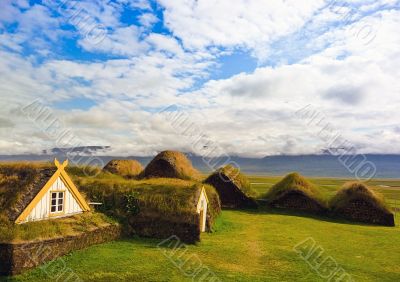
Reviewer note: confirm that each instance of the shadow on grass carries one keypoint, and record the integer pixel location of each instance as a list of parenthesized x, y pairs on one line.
[(265, 209), (147, 243)]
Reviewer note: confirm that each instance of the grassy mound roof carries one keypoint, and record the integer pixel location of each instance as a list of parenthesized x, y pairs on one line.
[(293, 182), (355, 201), (19, 184), (233, 188), (125, 168), (357, 191), (171, 164), (232, 174), (172, 199)]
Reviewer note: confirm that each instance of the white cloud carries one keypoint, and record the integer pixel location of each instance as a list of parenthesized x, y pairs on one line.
[(248, 24), (353, 84), (121, 41), (148, 19)]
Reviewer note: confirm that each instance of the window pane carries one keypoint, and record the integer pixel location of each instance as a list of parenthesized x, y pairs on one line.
[(53, 202), (53, 209), (53, 195), (60, 208), (61, 195), (60, 201)]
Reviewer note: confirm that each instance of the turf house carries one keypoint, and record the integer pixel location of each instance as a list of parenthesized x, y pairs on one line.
[(357, 202), (157, 208), (44, 216), (233, 188), (296, 193), (45, 194)]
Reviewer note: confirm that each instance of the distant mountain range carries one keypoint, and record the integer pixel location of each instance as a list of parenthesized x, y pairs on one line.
[(387, 166)]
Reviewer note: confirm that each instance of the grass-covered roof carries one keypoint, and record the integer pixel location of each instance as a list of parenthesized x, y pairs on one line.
[(294, 182), (233, 187), (355, 201), (171, 164), (19, 184), (357, 191), (125, 168), (159, 197), (232, 174)]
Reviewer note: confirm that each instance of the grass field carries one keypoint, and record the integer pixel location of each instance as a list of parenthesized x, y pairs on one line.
[(250, 246)]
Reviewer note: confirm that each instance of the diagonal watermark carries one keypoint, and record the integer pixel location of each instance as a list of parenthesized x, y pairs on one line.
[(356, 164), (189, 264), (55, 130), (213, 155), (324, 265)]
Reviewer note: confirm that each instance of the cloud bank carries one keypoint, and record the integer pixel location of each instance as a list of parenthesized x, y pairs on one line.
[(107, 72)]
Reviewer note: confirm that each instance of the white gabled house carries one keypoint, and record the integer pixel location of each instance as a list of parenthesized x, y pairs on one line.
[(58, 197)]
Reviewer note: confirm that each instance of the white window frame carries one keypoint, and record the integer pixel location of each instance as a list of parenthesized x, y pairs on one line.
[(60, 196)]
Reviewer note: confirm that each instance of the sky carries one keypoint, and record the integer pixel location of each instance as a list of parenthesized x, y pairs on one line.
[(113, 73)]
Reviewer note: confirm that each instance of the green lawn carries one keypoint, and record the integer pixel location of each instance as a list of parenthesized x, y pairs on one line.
[(248, 246)]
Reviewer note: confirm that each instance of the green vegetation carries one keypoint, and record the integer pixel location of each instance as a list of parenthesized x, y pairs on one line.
[(328, 187), (356, 190), (155, 207), (84, 171), (171, 164), (357, 202), (10, 232), (295, 182), (170, 198), (269, 235), (246, 246), (125, 168)]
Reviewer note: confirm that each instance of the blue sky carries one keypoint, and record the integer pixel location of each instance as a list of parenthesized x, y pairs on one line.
[(106, 68)]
